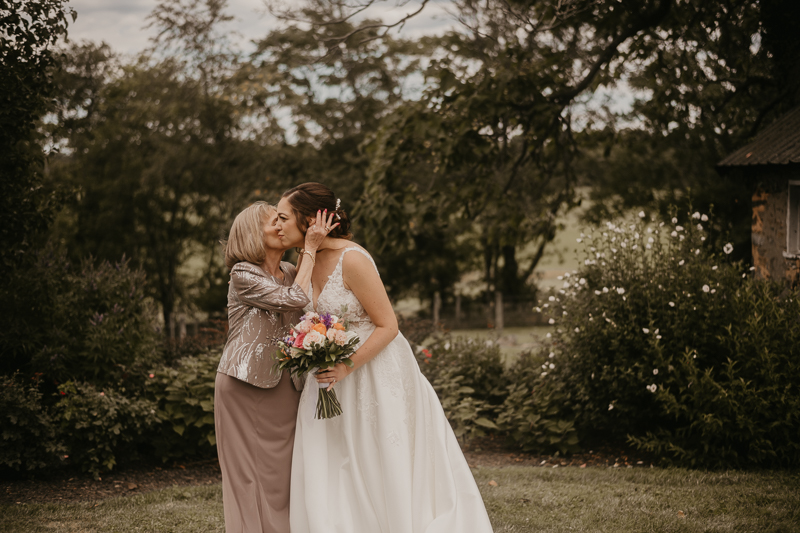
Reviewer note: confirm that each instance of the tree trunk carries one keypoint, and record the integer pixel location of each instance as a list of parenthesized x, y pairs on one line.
[(510, 275), (498, 311)]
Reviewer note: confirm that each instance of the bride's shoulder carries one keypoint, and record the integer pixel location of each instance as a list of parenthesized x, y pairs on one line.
[(360, 261)]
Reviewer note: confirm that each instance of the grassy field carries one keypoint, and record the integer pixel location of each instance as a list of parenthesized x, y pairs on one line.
[(512, 341), (526, 499)]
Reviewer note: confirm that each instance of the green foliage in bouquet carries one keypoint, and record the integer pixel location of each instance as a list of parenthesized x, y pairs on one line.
[(29, 433), (100, 427), (661, 342), (319, 356)]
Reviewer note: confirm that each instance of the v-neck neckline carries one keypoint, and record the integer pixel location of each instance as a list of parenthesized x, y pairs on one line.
[(327, 280)]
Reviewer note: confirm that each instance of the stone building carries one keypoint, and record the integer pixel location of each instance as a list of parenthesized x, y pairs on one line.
[(771, 163)]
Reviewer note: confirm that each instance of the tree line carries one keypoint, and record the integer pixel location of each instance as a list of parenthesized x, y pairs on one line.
[(455, 153)]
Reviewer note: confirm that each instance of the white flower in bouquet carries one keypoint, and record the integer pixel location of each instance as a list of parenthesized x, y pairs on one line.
[(313, 337)]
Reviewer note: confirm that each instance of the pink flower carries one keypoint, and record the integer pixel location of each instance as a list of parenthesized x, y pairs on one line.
[(152, 375), (337, 336), (304, 326), (298, 342), (312, 338)]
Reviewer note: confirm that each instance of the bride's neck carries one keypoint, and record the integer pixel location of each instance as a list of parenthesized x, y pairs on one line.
[(330, 243)]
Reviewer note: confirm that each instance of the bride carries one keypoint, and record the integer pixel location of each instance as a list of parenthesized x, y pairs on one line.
[(390, 463)]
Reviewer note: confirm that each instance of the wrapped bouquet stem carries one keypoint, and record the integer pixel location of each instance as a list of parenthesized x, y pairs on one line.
[(328, 404), (316, 343)]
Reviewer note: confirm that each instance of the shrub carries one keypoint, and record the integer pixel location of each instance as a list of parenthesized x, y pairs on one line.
[(99, 427), (184, 395), (660, 341), (210, 335), (29, 436), (468, 377), (532, 414), (97, 326)]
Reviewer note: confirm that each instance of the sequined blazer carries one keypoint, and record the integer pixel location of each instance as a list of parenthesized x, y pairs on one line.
[(260, 309)]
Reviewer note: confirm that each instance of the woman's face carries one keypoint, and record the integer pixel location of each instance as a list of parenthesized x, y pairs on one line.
[(271, 238), (290, 234)]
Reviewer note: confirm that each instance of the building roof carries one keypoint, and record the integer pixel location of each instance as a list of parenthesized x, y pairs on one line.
[(777, 144)]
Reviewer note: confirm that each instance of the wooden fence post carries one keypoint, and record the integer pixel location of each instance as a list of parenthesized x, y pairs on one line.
[(437, 306), (498, 311)]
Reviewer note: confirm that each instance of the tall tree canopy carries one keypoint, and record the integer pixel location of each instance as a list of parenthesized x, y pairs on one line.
[(161, 154), (512, 120), (29, 32)]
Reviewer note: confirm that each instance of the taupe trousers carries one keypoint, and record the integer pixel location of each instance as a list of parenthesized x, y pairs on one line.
[(255, 405)]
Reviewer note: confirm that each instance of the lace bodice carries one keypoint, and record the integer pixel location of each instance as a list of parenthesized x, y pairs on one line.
[(335, 295)]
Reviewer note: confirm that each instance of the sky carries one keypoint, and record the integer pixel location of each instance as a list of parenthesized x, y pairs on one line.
[(121, 23)]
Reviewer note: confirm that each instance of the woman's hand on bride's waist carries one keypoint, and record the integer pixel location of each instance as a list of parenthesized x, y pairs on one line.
[(333, 375)]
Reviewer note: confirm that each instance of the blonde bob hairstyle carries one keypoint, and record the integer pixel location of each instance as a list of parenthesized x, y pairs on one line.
[(246, 239)]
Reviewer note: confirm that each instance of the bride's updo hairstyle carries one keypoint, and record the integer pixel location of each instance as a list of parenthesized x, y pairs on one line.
[(308, 198)]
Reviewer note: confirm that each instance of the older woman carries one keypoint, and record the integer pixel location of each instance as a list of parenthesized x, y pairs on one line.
[(255, 406)]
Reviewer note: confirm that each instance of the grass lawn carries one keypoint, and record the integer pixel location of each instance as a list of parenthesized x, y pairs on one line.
[(512, 340), (526, 499)]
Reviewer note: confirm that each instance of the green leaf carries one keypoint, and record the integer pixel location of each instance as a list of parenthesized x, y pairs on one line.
[(485, 422)]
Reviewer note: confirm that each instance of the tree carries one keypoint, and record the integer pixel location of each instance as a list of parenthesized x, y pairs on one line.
[(28, 34), (712, 76), (512, 121), (322, 104), (161, 153), (490, 150)]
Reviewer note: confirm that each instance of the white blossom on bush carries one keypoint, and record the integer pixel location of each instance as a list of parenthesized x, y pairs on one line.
[(728, 248)]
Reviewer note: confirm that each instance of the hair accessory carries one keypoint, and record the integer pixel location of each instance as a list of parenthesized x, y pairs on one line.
[(338, 204)]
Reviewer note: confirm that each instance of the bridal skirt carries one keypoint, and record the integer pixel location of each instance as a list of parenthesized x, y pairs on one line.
[(389, 464), (255, 435)]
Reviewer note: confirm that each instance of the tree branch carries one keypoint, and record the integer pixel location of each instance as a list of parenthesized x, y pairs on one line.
[(608, 53)]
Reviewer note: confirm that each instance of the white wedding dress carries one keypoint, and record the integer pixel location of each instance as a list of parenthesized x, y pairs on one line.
[(390, 463)]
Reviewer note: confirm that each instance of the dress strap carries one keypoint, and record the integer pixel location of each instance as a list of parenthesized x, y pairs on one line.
[(363, 252)]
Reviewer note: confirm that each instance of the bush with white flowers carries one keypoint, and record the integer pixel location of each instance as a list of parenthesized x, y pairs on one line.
[(661, 342)]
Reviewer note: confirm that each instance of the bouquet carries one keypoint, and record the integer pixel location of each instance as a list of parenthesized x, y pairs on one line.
[(315, 343)]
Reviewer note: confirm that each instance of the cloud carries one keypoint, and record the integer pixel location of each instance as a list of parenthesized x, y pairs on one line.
[(121, 23)]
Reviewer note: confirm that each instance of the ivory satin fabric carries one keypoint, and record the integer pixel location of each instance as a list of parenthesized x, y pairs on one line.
[(255, 435), (391, 462)]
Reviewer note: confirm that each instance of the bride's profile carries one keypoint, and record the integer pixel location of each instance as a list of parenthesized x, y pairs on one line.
[(390, 462)]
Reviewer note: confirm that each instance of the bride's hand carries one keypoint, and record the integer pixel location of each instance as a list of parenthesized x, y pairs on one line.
[(333, 375), (318, 230)]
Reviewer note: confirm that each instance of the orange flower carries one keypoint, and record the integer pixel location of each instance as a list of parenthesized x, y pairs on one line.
[(338, 326), (321, 328)]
